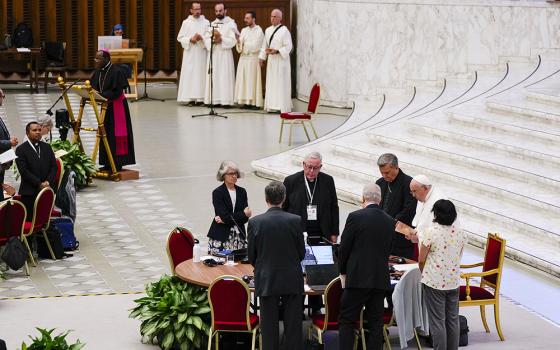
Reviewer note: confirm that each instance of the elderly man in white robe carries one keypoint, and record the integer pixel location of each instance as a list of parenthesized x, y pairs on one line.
[(192, 82), (220, 40), (276, 48), (248, 82)]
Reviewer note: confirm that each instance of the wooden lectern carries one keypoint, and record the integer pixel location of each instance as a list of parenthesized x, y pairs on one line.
[(99, 104), (129, 56)]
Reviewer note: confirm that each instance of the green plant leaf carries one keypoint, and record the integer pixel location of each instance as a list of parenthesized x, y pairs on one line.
[(168, 340)]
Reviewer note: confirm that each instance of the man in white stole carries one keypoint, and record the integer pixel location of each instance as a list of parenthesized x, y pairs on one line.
[(193, 69), (223, 69), (276, 48), (248, 82)]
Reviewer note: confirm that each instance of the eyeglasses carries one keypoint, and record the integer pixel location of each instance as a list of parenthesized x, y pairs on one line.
[(312, 168), (232, 174)]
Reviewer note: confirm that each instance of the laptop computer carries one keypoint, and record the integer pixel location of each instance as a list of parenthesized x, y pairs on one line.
[(319, 276)]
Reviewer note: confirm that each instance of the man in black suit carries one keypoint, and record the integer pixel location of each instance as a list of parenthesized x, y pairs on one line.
[(36, 165), (396, 200), (276, 249), (362, 261), (6, 143)]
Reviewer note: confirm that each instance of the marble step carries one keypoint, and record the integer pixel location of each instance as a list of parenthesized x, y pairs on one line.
[(544, 95), (486, 159), (352, 163), (530, 111), (499, 128)]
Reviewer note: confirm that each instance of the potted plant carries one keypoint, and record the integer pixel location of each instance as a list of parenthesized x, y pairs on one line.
[(76, 160), (175, 313), (47, 341)]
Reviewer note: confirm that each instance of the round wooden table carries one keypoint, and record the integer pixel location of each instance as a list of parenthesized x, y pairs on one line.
[(202, 275)]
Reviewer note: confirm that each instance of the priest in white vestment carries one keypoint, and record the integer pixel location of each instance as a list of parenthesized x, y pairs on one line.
[(276, 48), (192, 82), (248, 82), (220, 40)]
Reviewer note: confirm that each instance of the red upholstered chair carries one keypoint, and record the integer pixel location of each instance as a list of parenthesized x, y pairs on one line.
[(329, 321), (58, 180), (12, 219), (229, 299), (180, 243), (302, 117), (488, 292), (41, 219)]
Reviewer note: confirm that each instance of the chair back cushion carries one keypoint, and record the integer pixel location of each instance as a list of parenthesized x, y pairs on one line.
[(229, 301), (12, 218), (180, 243), (59, 173), (493, 257), (43, 208), (314, 98), (54, 51), (333, 293)]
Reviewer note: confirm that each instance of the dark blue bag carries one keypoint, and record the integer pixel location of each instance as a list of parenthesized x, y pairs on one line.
[(66, 228)]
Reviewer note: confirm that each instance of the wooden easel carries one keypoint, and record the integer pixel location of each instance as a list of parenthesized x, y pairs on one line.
[(90, 96)]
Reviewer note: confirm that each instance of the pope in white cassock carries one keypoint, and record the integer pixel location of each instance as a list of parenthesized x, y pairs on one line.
[(276, 48), (248, 82), (220, 92), (192, 82)]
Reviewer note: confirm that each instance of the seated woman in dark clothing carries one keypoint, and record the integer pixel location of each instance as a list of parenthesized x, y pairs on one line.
[(110, 82)]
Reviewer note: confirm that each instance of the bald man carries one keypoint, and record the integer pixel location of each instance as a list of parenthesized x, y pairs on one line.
[(275, 52)]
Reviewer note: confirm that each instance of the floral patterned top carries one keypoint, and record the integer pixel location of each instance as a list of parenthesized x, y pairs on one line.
[(442, 267)]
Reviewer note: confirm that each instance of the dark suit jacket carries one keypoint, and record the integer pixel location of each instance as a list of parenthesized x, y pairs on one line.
[(326, 200), (34, 169), (224, 209), (402, 207), (364, 248), (276, 250), (5, 145)]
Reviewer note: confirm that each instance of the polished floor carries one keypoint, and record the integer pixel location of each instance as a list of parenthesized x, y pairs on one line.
[(122, 227)]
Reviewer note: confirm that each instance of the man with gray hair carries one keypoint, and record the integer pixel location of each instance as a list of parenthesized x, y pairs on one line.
[(396, 200), (276, 249), (362, 261)]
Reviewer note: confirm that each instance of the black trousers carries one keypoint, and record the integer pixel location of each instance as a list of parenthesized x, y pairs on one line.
[(292, 321), (352, 302), (29, 203)]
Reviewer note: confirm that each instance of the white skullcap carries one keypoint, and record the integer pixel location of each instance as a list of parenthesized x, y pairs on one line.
[(423, 180)]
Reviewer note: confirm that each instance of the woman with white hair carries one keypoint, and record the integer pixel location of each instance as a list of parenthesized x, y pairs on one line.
[(227, 230), (46, 124)]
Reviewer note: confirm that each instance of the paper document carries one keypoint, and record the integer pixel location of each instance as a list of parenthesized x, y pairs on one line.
[(404, 229), (7, 156), (60, 153), (23, 49), (405, 267)]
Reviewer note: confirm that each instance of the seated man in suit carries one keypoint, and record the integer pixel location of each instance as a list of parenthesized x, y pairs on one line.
[(6, 143), (363, 263), (36, 165), (276, 250)]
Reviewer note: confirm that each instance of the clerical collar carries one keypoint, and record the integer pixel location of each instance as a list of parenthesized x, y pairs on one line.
[(107, 66)]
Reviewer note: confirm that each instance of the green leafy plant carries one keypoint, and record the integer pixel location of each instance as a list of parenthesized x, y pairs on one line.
[(47, 341), (174, 312), (76, 160)]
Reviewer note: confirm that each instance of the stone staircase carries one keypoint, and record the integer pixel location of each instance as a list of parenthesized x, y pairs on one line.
[(493, 146)]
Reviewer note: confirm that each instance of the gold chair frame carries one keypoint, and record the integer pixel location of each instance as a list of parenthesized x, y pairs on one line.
[(43, 229)]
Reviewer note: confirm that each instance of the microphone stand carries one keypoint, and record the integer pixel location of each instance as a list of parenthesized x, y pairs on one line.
[(145, 94), (212, 112), (49, 111)]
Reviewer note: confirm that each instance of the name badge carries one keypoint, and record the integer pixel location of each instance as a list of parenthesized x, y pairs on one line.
[(312, 212)]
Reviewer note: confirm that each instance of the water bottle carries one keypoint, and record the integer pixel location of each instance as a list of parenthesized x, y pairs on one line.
[(196, 251)]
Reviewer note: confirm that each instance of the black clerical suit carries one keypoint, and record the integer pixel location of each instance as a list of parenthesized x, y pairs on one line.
[(5, 145), (276, 249), (229, 215), (363, 258), (397, 201), (35, 166), (297, 200)]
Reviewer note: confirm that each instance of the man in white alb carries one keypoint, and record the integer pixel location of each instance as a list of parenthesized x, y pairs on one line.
[(193, 69), (221, 34), (427, 194), (276, 48), (248, 83)]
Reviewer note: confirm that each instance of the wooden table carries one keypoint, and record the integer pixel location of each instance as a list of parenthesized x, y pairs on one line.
[(202, 275), (32, 57), (129, 56)]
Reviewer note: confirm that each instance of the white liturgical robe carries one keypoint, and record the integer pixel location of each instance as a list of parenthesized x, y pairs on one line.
[(248, 82), (278, 72), (223, 81), (193, 69)]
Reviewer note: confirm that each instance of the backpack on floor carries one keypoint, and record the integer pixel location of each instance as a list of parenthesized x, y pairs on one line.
[(53, 235), (23, 36), (463, 331), (66, 228)]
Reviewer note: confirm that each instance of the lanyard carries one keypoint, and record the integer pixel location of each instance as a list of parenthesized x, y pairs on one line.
[(36, 149), (309, 193)]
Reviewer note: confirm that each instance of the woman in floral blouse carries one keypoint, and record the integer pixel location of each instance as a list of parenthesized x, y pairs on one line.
[(440, 258)]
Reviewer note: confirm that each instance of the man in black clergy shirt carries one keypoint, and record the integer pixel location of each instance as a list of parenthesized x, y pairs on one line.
[(362, 261), (276, 250), (396, 200), (36, 165)]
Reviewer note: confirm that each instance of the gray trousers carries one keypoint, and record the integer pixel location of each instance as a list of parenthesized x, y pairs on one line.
[(443, 314)]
